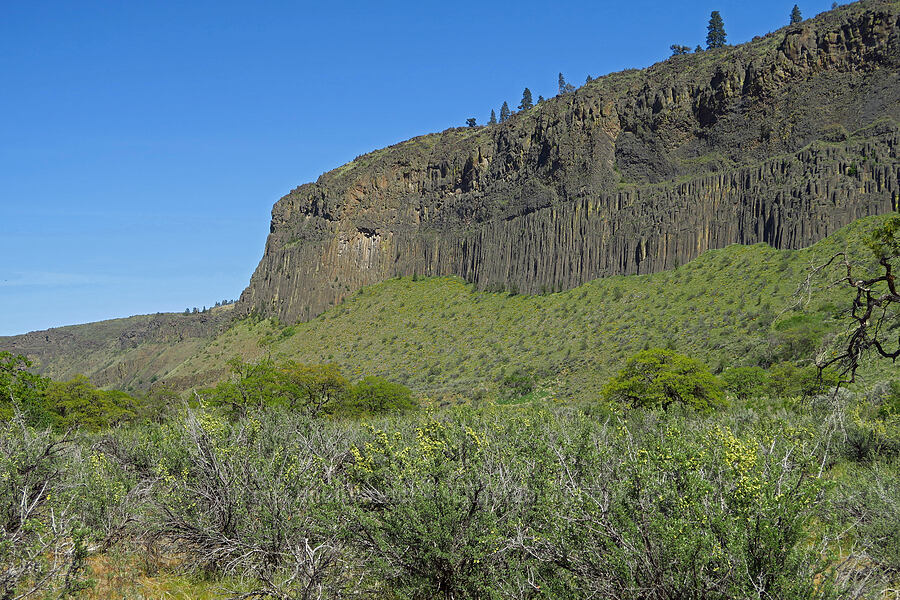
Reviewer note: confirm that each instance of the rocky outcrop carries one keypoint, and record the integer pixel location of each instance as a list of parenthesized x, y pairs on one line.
[(782, 140)]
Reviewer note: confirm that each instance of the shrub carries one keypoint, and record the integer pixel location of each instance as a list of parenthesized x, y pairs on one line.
[(77, 403), (796, 338), (686, 513), (42, 545), (889, 406), (21, 390), (252, 386), (871, 501), (870, 433), (660, 378), (746, 382), (791, 381), (313, 390), (255, 500), (516, 385), (437, 511), (375, 396)]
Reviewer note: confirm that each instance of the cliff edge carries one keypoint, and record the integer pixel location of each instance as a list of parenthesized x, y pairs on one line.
[(780, 140)]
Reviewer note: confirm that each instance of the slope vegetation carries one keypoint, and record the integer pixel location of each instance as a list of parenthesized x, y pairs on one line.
[(444, 338)]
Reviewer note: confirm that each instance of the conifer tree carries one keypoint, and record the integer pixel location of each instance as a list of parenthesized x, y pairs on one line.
[(504, 112), (527, 102), (715, 37), (471, 122), (540, 99), (588, 79), (493, 119), (796, 17), (699, 48), (565, 88)]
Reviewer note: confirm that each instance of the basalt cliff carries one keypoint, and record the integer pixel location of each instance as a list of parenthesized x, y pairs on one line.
[(780, 140)]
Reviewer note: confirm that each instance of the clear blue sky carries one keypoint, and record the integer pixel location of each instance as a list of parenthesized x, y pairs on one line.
[(142, 144)]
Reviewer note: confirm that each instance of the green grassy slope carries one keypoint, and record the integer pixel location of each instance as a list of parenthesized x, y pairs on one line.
[(445, 339)]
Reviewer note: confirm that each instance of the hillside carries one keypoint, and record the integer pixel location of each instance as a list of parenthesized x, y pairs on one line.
[(781, 140), (129, 353), (444, 338)]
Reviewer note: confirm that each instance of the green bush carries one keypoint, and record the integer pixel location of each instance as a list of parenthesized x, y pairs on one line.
[(516, 385), (438, 505), (869, 502), (254, 499), (374, 396), (870, 432), (21, 390), (252, 386), (787, 380), (680, 511), (313, 390), (746, 382), (660, 378), (77, 403), (796, 338), (889, 405), (42, 541)]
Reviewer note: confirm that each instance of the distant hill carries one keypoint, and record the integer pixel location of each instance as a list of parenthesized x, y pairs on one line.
[(130, 353)]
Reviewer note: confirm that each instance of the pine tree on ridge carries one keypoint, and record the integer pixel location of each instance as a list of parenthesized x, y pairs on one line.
[(715, 37), (527, 102)]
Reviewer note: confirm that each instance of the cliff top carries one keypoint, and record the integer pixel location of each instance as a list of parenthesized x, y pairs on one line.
[(673, 71)]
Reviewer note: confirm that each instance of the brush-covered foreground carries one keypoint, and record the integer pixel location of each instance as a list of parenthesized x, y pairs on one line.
[(768, 498)]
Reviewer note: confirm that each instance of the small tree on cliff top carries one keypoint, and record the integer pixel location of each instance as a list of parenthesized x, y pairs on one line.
[(715, 37), (526, 102)]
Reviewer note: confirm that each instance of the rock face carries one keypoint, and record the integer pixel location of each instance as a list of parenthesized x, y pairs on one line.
[(781, 140)]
